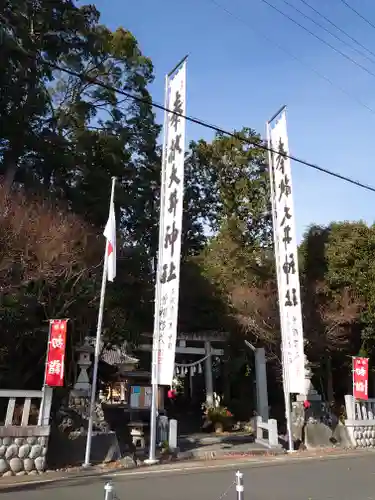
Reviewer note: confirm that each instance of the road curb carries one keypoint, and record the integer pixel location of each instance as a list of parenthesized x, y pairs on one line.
[(68, 476), (27, 482), (178, 465)]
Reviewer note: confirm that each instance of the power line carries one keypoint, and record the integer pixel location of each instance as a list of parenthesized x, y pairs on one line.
[(197, 121), (321, 26), (358, 14), (338, 28), (293, 56), (332, 47), (202, 123)]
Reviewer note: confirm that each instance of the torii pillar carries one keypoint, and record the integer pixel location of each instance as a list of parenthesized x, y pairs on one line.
[(260, 381), (208, 374)]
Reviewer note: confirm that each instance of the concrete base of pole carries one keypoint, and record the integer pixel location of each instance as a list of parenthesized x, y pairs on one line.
[(86, 466), (151, 461)]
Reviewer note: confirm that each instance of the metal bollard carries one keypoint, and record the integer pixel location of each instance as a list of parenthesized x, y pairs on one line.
[(239, 485), (108, 491)]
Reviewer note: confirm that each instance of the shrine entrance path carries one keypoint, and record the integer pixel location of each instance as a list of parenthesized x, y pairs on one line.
[(203, 445)]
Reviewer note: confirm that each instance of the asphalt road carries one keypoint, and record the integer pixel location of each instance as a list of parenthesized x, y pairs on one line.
[(349, 478)]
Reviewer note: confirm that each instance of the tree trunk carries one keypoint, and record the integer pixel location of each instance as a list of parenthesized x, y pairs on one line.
[(330, 393), (10, 164), (226, 382)]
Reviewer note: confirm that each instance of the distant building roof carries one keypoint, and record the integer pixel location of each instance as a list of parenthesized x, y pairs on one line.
[(114, 355), (117, 356)]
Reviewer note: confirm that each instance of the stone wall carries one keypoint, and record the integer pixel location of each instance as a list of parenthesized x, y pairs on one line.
[(23, 450), (364, 436), (69, 449)]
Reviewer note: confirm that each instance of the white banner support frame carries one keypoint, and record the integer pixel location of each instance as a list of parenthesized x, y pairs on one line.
[(287, 401)]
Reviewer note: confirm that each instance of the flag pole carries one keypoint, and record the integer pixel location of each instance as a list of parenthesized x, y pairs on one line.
[(97, 343)]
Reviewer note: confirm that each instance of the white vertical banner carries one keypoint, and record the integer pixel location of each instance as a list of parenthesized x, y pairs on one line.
[(286, 254), (171, 210)]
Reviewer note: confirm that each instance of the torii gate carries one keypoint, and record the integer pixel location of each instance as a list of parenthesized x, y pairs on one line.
[(208, 352)]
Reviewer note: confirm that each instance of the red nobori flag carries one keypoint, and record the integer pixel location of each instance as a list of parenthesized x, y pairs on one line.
[(360, 378), (56, 353)]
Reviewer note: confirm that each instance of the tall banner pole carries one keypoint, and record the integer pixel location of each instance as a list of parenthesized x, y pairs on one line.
[(277, 260), (155, 344), (285, 243), (97, 344), (169, 252)]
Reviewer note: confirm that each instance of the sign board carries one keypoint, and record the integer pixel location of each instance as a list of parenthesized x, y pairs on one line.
[(141, 397)]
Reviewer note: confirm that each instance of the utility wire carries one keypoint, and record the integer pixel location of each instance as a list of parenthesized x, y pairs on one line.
[(353, 61), (338, 28), (321, 26), (292, 55), (358, 14), (202, 123), (257, 144)]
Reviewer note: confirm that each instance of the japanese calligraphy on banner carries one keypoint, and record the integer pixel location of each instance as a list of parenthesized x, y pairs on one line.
[(286, 257), (54, 376), (360, 378), (166, 310)]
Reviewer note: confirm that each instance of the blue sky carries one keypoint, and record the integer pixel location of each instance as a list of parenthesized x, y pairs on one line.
[(236, 78)]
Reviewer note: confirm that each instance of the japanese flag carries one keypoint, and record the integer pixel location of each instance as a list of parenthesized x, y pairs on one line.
[(110, 235)]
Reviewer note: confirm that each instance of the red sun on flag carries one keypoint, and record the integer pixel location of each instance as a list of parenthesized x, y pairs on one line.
[(110, 235), (110, 248)]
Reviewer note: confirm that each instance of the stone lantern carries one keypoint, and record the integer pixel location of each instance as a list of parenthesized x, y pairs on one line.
[(82, 387)]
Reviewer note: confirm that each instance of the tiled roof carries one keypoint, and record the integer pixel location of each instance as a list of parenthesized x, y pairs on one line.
[(114, 355), (117, 356)]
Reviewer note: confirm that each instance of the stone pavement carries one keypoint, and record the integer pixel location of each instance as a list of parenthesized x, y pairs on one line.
[(203, 446), (349, 477)]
